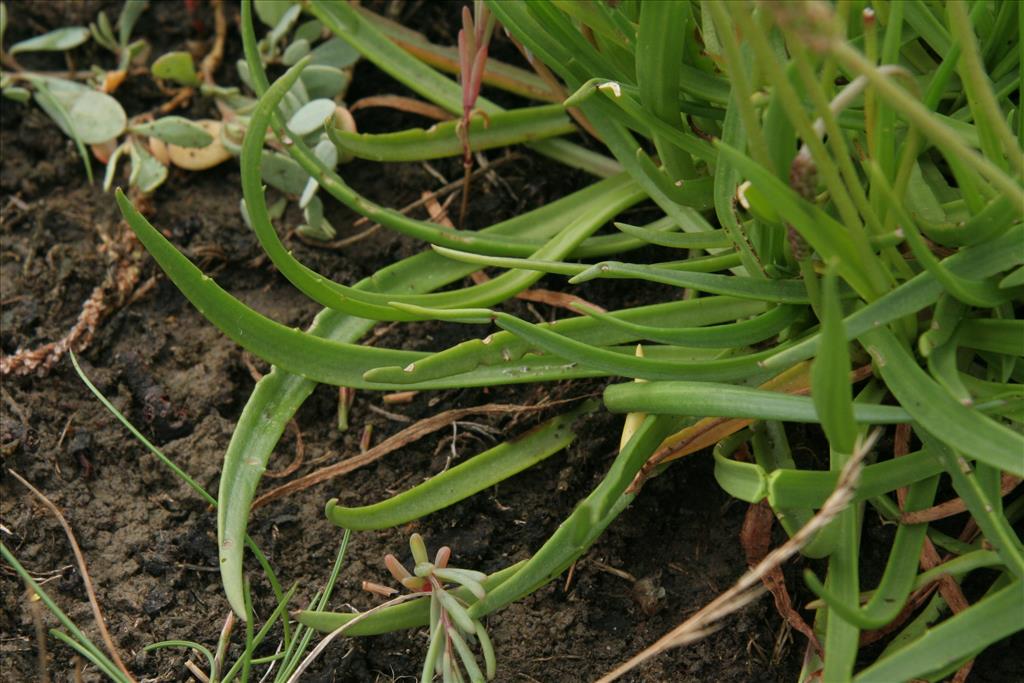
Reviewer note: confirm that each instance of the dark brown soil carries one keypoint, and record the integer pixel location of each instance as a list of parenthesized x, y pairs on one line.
[(150, 542)]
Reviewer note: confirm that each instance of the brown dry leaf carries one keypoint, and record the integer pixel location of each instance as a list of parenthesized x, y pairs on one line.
[(406, 104)]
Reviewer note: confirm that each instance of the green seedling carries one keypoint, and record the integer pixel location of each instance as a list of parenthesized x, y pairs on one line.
[(452, 629)]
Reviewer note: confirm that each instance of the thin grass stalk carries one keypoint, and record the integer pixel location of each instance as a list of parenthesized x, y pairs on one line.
[(953, 147), (997, 138)]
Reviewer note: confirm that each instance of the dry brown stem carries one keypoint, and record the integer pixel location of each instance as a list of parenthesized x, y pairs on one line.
[(407, 104)]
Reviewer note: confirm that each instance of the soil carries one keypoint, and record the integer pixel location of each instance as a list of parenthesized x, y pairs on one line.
[(150, 542)]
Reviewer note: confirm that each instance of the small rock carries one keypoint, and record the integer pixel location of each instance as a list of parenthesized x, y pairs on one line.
[(158, 599)]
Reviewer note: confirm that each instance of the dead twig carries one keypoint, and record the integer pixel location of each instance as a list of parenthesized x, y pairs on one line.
[(82, 569), (407, 104), (755, 537), (214, 57), (545, 296), (300, 454), (399, 397), (37, 621), (394, 417), (955, 506)]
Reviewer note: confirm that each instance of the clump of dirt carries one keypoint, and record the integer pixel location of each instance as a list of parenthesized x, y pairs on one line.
[(150, 542)]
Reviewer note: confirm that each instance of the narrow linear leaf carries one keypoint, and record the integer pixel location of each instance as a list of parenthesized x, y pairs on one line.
[(727, 400), (443, 140), (463, 480), (963, 428), (995, 617)]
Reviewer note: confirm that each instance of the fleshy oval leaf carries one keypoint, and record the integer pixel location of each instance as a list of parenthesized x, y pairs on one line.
[(324, 81), (62, 39), (335, 52), (176, 130), (97, 117), (310, 117), (295, 51), (283, 173), (177, 67)]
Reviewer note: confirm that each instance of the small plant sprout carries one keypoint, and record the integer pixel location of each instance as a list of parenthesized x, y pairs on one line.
[(452, 629), (473, 40)]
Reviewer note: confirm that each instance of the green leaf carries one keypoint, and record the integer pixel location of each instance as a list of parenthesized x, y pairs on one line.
[(465, 479), (130, 14), (443, 139), (147, 173), (993, 618), (997, 336), (112, 163), (361, 34), (923, 290), (398, 617), (743, 480), (586, 523), (335, 52), (709, 239), (316, 225), (324, 81), (177, 67), (97, 117), (18, 94), (779, 291), (56, 110), (54, 41), (175, 130), (283, 173), (271, 11), (298, 49), (311, 117), (283, 25), (103, 33), (503, 349), (965, 429), (309, 31), (700, 399), (830, 374)]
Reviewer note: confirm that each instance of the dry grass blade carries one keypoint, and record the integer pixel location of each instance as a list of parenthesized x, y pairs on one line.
[(37, 621), (406, 104), (82, 569), (545, 296), (750, 587), (955, 506), (411, 433), (300, 454)]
